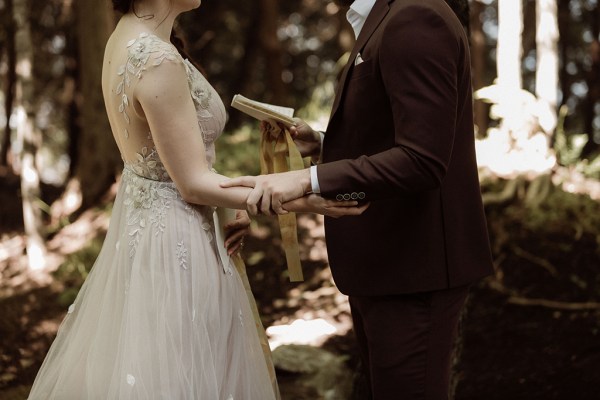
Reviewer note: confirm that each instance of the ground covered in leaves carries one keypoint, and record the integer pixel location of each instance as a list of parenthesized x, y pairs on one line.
[(532, 331)]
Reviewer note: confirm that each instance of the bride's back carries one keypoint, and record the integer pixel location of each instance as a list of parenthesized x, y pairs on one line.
[(130, 52)]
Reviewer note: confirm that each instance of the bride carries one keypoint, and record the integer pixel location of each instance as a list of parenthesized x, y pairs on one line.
[(161, 315)]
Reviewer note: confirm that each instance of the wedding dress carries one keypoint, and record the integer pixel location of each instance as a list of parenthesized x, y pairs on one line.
[(160, 316)]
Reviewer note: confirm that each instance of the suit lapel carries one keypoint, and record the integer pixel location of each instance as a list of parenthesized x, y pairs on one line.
[(379, 11)]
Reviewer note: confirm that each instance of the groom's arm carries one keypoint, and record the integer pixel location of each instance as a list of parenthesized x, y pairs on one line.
[(419, 60)]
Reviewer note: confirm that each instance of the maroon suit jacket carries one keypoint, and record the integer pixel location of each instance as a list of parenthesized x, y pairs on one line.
[(401, 136)]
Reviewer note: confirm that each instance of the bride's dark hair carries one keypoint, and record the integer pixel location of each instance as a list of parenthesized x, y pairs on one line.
[(124, 6)]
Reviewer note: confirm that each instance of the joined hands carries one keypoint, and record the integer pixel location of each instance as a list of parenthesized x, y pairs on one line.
[(285, 192)]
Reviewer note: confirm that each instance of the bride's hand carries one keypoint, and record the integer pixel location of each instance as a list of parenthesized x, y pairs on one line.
[(314, 203), (236, 230)]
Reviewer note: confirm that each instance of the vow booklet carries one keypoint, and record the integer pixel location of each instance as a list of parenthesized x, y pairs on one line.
[(263, 111)]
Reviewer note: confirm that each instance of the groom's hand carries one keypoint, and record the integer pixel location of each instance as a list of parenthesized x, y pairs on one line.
[(271, 191), (316, 204), (306, 138), (308, 141)]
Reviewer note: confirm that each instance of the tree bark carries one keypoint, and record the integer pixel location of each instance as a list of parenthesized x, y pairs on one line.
[(593, 84), (546, 78), (243, 80), (11, 78), (272, 49), (29, 137), (99, 157), (563, 29), (478, 62)]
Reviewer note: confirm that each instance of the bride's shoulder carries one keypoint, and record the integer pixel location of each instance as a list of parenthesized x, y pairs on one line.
[(148, 49), (147, 54)]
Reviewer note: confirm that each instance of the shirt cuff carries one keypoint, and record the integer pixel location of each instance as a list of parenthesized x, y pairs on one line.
[(314, 180)]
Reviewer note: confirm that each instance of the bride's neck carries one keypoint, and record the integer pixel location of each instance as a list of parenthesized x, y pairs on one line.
[(158, 16)]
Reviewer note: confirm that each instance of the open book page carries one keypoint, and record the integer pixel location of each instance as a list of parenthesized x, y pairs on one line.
[(263, 111)]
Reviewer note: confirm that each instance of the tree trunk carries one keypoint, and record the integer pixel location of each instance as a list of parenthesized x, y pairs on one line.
[(99, 157), (564, 17), (546, 78), (509, 52), (244, 79), (29, 137), (478, 62), (11, 78), (593, 84), (272, 49)]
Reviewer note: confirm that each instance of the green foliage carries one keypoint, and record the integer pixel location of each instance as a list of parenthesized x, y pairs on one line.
[(75, 269), (238, 151), (549, 251), (560, 213), (568, 149)]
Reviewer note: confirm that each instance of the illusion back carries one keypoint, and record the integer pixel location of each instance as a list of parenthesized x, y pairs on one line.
[(130, 127)]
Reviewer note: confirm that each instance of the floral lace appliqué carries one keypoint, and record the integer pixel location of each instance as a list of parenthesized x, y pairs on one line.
[(149, 165), (182, 255), (140, 50), (143, 198)]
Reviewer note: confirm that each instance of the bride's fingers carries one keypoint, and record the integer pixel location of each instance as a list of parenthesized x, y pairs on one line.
[(234, 238), (235, 246), (237, 224), (246, 181)]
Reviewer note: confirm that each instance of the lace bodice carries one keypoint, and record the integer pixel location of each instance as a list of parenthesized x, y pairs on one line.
[(149, 51)]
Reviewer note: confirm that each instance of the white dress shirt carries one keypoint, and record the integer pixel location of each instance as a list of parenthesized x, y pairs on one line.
[(356, 16)]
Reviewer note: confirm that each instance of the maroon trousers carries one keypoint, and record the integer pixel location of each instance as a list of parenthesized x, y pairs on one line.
[(406, 342)]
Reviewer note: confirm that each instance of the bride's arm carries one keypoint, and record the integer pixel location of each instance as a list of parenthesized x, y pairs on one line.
[(164, 96)]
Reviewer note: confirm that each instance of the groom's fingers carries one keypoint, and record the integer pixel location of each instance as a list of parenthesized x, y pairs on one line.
[(349, 203), (253, 199), (265, 203), (278, 207), (246, 181), (352, 211), (362, 208)]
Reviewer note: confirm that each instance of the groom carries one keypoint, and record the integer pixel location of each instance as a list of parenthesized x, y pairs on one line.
[(400, 137)]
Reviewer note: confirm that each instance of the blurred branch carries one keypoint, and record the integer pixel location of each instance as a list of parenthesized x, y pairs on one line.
[(556, 305), (11, 77)]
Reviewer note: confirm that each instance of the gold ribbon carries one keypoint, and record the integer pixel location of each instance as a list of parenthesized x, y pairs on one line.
[(276, 148), (262, 336)]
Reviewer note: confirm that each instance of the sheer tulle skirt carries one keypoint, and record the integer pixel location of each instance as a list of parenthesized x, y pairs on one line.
[(159, 316)]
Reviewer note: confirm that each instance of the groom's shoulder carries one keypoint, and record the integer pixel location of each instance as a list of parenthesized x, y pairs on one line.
[(423, 13)]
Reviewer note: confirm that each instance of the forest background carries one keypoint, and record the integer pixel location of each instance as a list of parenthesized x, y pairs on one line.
[(531, 331)]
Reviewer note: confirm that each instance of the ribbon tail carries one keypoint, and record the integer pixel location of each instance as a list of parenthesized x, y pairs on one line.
[(289, 237)]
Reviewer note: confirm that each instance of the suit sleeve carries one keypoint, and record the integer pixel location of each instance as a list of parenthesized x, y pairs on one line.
[(419, 59)]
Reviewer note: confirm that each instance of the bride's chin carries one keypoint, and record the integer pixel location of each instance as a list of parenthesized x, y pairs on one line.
[(191, 4)]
